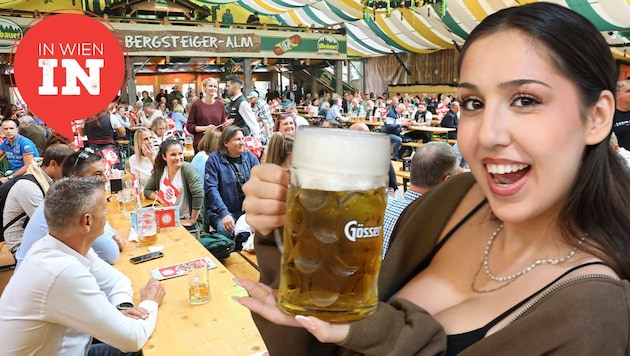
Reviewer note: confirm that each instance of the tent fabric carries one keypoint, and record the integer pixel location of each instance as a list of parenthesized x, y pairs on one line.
[(421, 29)]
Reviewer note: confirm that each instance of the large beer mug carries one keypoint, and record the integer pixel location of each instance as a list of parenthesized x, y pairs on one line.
[(126, 202), (333, 233)]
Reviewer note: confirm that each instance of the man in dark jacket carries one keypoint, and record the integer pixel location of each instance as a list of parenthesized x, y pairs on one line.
[(451, 119), (394, 123)]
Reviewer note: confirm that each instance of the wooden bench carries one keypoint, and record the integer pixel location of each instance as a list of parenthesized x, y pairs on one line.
[(415, 144), (241, 267), (450, 141)]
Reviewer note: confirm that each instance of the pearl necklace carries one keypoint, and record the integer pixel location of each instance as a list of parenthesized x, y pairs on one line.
[(550, 261)]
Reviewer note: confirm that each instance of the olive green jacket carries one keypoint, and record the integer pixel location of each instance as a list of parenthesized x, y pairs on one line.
[(586, 317)]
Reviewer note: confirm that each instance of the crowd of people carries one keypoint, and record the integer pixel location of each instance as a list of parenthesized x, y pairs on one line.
[(525, 254)]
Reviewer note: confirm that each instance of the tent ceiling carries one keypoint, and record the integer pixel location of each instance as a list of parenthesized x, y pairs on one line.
[(420, 29)]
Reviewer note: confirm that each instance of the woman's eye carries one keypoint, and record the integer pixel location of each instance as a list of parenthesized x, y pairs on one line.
[(471, 104), (523, 100)]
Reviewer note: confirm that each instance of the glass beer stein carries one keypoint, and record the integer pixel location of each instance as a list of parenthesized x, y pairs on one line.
[(333, 233)]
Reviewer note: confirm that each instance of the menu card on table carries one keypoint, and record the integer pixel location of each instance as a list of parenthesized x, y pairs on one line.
[(180, 269)]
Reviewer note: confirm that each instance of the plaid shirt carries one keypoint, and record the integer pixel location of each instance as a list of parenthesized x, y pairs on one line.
[(263, 112), (394, 208)]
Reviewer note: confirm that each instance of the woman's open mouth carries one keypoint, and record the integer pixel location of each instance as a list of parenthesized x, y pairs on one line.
[(507, 174)]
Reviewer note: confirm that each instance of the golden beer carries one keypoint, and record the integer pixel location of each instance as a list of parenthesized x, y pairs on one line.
[(189, 151), (199, 293), (332, 248), (148, 239), (198, 284)]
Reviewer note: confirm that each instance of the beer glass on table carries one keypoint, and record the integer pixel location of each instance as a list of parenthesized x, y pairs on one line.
[(198, 282), (333, 233)]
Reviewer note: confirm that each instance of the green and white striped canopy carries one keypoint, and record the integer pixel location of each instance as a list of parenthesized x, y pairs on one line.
[(421, 29)]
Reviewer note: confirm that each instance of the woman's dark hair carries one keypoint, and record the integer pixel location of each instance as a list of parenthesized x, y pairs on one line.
[(599, 202), (226, 136), (160, 163)]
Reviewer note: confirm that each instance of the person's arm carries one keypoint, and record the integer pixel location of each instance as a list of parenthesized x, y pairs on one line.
[(77, 301), (193, 181), (28, 159), (121, 131), (399, 328), (152, 186), (191, 123), (105, 246), (248, 115), (396, 328)]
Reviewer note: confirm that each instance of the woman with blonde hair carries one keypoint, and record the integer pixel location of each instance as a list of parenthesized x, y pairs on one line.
[(206, 113), (209, 143), (142, 161)]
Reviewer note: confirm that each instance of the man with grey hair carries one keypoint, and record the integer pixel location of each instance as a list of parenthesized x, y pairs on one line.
[(83, 163), (64, 294), (335, 111), (151, 113), (239, 109), (621, 125), (299, 120), (432, 164), (29, 129), (394, 123)]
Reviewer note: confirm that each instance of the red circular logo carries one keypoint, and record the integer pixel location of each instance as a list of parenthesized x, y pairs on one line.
[(68, 67)]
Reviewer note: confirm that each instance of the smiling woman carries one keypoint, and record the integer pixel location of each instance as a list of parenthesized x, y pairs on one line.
[(539, 227), (171, 171)]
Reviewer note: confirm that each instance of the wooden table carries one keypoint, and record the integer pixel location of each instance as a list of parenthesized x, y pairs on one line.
[(373, 125), (405, 175), (432, 130), (219, 327)]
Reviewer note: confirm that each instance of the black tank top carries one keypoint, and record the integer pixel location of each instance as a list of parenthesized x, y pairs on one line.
[(459, 342)]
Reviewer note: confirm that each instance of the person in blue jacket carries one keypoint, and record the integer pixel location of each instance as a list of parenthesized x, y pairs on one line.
[(226, 172)]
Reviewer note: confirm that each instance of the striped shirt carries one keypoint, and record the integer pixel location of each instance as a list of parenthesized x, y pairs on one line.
[(394, 208)]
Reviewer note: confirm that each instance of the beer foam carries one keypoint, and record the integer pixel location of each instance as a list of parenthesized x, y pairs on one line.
[(340, 159)]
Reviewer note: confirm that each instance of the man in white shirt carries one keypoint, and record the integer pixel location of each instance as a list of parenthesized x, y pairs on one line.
[(63, 293), (239, 109), (151, 113)]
